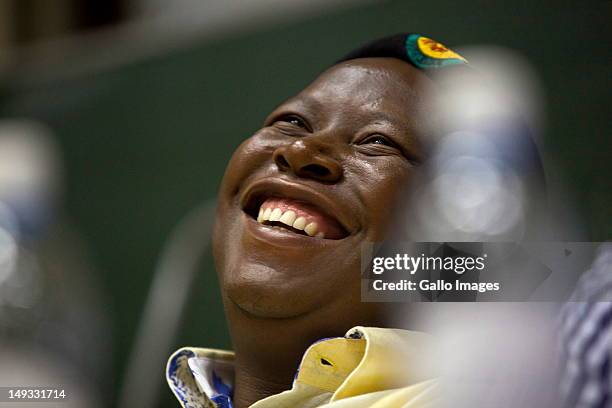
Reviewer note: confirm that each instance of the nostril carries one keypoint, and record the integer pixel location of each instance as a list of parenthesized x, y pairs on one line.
[(316, 170), (281, 162)]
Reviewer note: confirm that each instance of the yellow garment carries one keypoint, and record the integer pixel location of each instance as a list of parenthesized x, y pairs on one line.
[(369, 367)]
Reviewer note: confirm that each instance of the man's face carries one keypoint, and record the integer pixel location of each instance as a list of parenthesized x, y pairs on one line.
[(320, 178)]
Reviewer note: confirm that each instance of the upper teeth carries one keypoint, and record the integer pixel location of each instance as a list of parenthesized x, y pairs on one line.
[(291, 219)]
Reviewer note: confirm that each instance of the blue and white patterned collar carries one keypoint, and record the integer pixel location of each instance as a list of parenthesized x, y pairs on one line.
[(202, 378)]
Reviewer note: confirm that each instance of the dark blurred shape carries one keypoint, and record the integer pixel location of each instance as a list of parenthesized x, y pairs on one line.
[(38, 19), (98, 13)]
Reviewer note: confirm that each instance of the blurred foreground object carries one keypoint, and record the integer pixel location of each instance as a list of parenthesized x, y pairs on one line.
[(52, 325), (587, 338), (485, 180), (500, 355)]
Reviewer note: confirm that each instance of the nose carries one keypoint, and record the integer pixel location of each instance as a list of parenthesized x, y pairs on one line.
[(308, 159)]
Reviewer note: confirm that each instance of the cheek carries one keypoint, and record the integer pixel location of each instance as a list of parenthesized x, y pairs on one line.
[(253, 154), (385, 186), (249, 160)]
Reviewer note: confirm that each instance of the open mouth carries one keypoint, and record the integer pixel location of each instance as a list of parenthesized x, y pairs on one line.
[(295, 216)]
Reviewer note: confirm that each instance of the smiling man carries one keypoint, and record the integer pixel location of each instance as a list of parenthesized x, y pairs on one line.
[(321, 177)]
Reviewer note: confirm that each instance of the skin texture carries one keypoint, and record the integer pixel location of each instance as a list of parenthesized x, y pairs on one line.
[(349, 144)]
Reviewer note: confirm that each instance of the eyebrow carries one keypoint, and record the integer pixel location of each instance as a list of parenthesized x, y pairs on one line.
[(303, 101), (312, 104), (401, 123), (383, 117)]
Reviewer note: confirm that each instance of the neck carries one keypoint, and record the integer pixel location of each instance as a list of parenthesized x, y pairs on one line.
[(268, 351), (254, 381)]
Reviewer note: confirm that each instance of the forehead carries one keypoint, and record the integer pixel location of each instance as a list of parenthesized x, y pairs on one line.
[(385, 87), (371, 75)]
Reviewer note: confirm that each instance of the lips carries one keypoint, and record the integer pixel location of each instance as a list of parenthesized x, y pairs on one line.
[(294, 208)]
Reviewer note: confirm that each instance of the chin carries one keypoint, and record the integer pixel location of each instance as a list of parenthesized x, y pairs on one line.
[(259, 290), (267, 272)]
